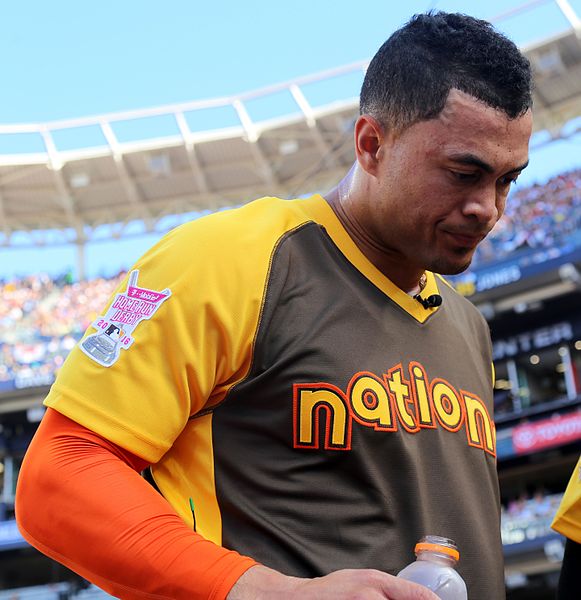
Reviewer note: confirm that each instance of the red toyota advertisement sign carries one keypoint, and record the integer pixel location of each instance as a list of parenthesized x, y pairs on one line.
[(556, 431)]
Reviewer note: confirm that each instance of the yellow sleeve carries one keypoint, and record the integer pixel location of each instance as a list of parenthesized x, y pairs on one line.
[(178, 332), (567, 520)]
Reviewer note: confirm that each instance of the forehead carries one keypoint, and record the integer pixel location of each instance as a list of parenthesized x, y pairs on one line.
[(467, 125)]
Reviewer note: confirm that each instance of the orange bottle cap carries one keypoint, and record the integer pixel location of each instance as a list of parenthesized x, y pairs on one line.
[(452, 552)]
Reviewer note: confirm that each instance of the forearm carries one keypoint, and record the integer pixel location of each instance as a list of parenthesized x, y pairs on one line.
[(84, 506), (81, 501)]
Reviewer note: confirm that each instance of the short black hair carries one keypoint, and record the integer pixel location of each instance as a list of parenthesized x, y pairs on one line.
[(411, 75)]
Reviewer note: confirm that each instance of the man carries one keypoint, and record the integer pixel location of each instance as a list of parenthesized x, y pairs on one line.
[(305, 390), (567, 521)]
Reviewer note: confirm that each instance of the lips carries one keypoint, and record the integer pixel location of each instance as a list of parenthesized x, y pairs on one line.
[(466, 240)]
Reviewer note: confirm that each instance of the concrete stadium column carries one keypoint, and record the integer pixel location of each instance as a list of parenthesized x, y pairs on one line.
[(514, 385), (570, 380), (81, 261), (6, 495)]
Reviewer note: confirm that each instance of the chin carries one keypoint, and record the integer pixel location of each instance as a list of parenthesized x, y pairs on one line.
[(446, 267), (460, 269)]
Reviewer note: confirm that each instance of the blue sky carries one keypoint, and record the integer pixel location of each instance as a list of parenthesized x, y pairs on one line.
[(70, 59)]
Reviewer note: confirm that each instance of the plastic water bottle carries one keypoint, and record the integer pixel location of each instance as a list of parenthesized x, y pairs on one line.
[(436, 558)]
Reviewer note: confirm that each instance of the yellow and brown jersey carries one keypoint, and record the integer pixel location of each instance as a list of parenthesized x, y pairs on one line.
[(313, 415), (567, 520)]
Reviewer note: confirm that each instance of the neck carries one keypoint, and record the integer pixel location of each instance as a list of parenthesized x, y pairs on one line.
[(344, 200), (420, 287)]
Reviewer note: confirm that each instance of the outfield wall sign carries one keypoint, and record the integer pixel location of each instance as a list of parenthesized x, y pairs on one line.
[(473, 283), (548, 433), (537, 339), (483, 279)]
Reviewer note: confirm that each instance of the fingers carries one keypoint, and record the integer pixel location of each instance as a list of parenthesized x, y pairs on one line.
[(363, 584), (395, 588), (261, 583)]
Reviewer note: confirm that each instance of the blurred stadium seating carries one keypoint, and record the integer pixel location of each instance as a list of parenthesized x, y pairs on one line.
[(41, 318)]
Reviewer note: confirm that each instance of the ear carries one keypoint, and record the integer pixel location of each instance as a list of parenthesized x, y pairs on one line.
[(369, 137)]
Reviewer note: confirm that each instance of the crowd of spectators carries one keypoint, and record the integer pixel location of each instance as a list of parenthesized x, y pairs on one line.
[(539, 216), (540, 504), (41, 319), (528, 517)]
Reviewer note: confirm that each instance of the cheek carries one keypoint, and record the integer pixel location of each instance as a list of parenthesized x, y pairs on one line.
[(500, 206)]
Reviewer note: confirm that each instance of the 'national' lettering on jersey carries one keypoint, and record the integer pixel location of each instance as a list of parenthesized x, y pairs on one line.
[(385, 404)]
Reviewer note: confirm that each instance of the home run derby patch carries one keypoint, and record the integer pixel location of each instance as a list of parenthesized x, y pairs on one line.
[(115, 328)]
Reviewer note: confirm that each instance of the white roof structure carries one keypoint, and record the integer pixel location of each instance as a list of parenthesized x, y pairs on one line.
[(83, 173), (182, 171)]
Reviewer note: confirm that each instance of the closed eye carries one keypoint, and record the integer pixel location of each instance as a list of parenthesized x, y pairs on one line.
[(465, 177), (508, 180)]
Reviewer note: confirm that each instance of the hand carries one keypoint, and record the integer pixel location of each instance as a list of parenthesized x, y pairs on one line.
[(261, 583)]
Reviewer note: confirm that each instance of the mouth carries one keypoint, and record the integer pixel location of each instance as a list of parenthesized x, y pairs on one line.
[(465, 240)]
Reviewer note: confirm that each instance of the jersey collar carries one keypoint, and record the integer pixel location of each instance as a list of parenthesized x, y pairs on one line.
[(320, 211)]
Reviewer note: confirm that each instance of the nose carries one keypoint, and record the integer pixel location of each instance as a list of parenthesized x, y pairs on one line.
[(483, 204)]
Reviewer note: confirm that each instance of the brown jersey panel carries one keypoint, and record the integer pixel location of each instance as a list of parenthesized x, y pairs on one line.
[(359, 429)]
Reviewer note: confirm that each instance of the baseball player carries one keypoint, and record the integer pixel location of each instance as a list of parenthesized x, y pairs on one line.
[(306, 394)]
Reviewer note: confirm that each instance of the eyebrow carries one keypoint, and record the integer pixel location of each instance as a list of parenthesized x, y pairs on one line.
[(474, 161)]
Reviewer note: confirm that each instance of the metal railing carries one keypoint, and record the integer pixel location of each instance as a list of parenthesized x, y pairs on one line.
[(42, 135), (238, 105)]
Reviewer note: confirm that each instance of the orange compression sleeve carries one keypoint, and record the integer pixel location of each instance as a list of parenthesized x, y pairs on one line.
[(81, 501)]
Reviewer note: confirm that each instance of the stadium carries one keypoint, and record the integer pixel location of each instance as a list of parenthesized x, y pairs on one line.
[(90, 180)]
